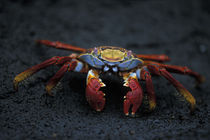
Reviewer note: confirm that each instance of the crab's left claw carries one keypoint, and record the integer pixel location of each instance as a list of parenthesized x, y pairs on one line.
[(94, 96), (134, 97)]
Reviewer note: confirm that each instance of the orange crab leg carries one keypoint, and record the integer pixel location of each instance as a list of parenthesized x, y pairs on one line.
[(182, 90), (133, 97), (154, 57), (59, 45), (69, 66), (27, 73), (94, 96), (179, 69)]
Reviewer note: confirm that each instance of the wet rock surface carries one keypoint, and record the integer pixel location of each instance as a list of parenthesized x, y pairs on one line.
[(178, 29)]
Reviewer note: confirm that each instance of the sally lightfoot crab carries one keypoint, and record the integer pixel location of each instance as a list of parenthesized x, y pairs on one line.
[(109, 59)]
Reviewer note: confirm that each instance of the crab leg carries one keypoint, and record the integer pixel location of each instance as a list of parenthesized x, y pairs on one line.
[(59, 45), (154, 57), (181, 89), (133, 97), (179, 69), (68, 66), (144, 74), (27, 73), (94, 96)]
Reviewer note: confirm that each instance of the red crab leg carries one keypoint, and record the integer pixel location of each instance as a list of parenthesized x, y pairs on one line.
[(179, 69), (154, 57), (94, 96), (68, 66), (145, 75), (133, 97), (182, 90), (59, 45), (27, 73)]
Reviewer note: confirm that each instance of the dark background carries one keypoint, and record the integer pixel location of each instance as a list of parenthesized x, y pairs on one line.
[(178, 29)]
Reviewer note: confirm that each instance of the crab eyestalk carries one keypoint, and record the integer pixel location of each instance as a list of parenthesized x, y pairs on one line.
[(94, 96)]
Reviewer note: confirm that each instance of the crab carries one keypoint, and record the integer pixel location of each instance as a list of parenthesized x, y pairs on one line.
[(113, 60)]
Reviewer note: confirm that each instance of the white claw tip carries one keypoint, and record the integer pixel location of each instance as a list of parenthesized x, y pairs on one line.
[(102, 84), (132, 113), (125, 84)]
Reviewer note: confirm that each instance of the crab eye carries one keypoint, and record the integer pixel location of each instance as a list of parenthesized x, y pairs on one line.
[(95, 51)]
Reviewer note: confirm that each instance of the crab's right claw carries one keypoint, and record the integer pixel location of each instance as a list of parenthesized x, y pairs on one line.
[(95, 97)]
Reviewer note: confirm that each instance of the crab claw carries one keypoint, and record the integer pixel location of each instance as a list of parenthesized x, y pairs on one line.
[(94, 96), (133, 98)]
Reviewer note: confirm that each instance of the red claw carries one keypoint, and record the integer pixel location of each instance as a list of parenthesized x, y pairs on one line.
[(133, 97), (94, 96)]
